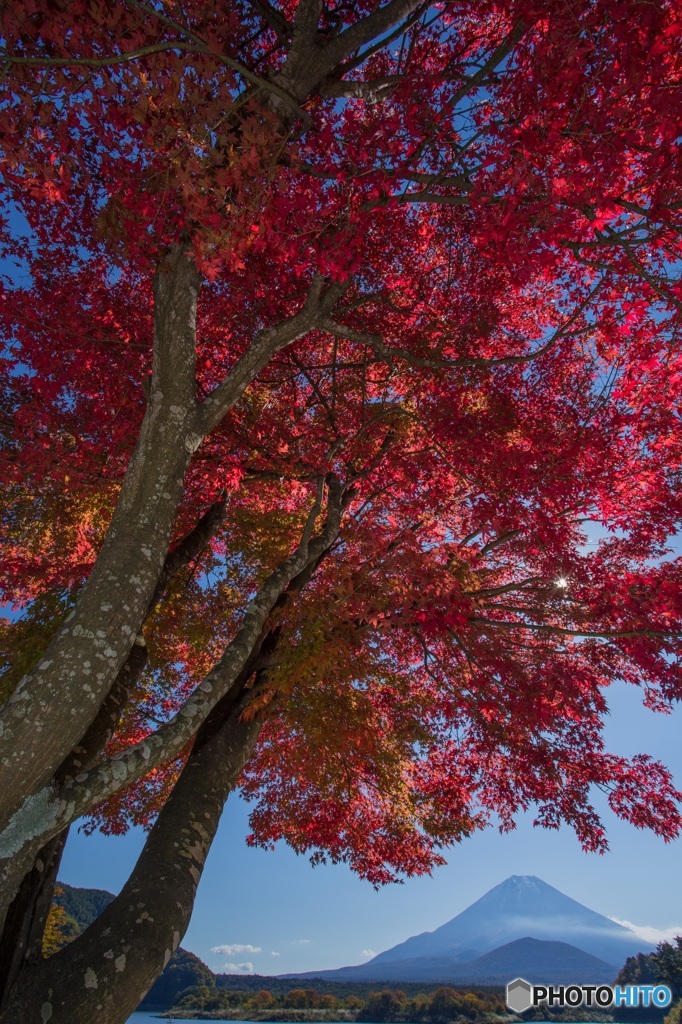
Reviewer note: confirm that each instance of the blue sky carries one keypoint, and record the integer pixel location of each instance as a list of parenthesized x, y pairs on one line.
[(255, 904)]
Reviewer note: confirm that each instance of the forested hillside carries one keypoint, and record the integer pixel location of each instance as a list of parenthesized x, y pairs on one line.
[(74, 909)]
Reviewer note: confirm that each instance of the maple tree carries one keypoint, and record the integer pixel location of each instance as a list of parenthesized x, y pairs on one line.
[(328, 328)]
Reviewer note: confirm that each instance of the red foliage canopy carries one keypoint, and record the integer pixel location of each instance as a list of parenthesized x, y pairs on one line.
[(491, 193)]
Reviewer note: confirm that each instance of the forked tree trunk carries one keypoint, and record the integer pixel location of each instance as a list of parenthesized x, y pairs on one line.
[(159, 896), (22, 933), (104, 974), (55, 703), (21, 936)]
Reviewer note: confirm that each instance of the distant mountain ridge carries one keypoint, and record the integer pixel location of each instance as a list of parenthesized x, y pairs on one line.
[(480, 946), (539, 960), (522, 906), (83, 905), (533, 959), (524, 909)]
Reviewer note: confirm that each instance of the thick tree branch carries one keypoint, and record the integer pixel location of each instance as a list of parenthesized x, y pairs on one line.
[(504, 588), (51, 809), (379, 22), (274, 18), (136, 935), (370, 90), (21, 930), (23, 927), (21, 934), (381, 44), (541, 627), (267, 85), (306, 20), (191, 547), (311, 60), (319, 302), (98, 62), (389, 354), (499, 54)]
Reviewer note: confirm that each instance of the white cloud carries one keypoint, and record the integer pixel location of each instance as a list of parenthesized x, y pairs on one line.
[(235, 947), (274, 953), (368, 952), (246, 968), (299, 942), (648, 933)]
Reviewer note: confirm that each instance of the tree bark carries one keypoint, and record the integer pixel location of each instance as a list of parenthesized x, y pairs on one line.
[(208, 758), (60, 701), (105, 973), (22, 932), (55, 703), (21, 936), (55, 807)]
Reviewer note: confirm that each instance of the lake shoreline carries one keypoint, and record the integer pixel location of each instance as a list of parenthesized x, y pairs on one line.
[(292, 1016)]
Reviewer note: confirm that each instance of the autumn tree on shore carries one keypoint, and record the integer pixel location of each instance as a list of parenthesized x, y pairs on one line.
[(327, 329)]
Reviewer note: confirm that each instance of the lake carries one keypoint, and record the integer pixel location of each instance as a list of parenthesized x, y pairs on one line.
[(148, 1018)]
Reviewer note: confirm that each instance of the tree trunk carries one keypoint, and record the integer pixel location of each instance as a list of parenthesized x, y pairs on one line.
[(123, 952), (55, 703), (51, 810), (22, 932), (105, 973), (209, 764), (21, 936)]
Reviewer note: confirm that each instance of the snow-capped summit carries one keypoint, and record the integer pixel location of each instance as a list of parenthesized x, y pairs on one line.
[(521, 928), (522, 906)]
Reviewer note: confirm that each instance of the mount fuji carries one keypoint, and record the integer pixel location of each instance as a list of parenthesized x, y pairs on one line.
[(521, 908)]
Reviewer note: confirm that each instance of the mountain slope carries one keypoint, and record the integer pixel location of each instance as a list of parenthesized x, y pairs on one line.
[(555, 931), (540, 961), (83, 905), (533, 959), (522, 906)]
